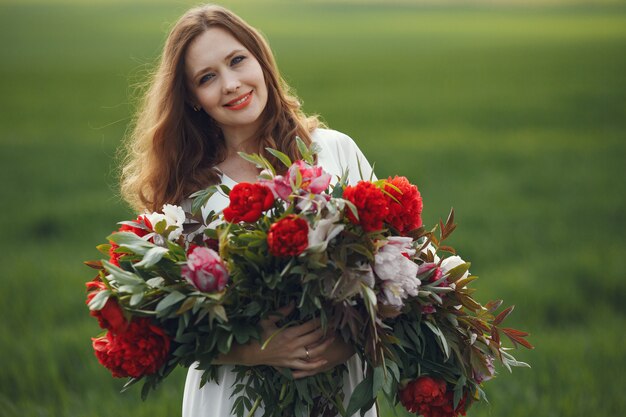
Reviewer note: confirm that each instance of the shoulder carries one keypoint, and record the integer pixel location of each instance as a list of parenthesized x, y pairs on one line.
[(333, 141), (338, 153)]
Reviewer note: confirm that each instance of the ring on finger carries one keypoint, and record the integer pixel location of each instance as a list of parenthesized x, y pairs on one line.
[(308, 355)]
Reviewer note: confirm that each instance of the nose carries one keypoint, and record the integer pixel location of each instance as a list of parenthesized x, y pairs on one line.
[(231, 83)]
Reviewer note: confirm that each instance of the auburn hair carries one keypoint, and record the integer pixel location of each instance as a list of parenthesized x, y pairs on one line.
[(172, 150)]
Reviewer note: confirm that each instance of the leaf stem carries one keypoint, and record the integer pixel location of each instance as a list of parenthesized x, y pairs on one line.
[(255, 406), (269, 339)]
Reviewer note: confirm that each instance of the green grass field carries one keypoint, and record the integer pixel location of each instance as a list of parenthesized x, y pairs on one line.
[(516, 116)]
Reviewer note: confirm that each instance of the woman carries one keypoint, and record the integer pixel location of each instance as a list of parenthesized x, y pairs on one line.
[(217, 92)]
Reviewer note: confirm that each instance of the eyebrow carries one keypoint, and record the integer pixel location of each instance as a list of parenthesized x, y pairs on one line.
[(226, 58)]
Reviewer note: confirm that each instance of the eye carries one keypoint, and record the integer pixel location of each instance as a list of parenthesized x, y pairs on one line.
[(205, 78), (236, 60)]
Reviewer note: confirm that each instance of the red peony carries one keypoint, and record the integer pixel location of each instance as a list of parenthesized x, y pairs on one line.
[(139, 231), (370, 203), (405, 214), (428, 397), (141, 350), (288, 236), (247, 202), (110, 316)]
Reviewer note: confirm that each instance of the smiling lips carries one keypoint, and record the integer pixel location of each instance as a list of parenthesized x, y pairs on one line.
[(239, 102)]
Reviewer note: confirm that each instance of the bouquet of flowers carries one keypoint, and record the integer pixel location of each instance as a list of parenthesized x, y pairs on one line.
[(180, 288)]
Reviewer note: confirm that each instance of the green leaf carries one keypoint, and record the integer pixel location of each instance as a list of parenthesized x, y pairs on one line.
[(155, 282), (187, 305), (352, 208), (390, 403), (99, 300), (369, 294), (122, 277), (160, 227), (200, 199), (458, 390), (152, 257), (132, 242), (440, 336), (378, 379), (462, 283), (361, 395), (219, 311), (393, 367), (301, 410), (171, 299), (304, 151), (104, 248), (136, 298), (225, 189), (258, 161), (337, 191), (458, 271), (298, 182), (362, 250), (358, 164), (393, 377), (281, 156), (252, 309), (224, 343)]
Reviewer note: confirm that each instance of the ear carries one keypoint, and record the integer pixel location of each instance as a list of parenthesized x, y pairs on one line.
[(195, 106), (191, 101)]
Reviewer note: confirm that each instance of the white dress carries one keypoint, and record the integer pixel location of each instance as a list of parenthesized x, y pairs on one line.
[(338, 152)]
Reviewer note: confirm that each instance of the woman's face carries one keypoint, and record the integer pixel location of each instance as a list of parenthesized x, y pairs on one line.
[(227, 81)]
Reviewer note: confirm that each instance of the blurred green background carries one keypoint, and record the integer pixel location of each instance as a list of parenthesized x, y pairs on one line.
[(513, 113)]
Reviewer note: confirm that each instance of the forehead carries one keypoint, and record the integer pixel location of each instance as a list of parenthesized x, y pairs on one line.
[(209, 49)]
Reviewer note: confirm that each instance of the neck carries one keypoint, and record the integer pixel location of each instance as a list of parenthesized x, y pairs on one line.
[(241, 140)]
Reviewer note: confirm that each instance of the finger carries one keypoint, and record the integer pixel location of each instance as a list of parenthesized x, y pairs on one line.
[(297, 374), (311, 338), (302, 365), (281, 312), (305, 328), (304, 374), (318, 350)]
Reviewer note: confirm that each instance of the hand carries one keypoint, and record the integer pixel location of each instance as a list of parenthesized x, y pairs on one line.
[(288, 348), (337, 353)]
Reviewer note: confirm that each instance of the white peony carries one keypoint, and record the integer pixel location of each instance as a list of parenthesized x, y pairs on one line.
[(325, 230), (397, 271), (173, 216), (431, 249), (452, 262)]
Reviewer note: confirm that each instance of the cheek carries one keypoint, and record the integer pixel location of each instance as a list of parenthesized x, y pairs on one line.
[(209, 97), (262, 85), (256, 73)]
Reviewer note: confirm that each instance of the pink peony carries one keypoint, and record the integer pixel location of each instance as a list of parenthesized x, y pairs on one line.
[(480, 376), (205, 270), (279, 185), (313, 180)]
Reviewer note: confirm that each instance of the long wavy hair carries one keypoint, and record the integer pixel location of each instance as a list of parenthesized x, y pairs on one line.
[(172, 150)]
